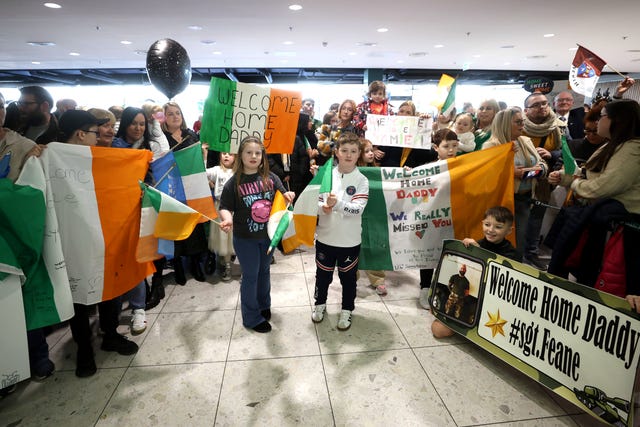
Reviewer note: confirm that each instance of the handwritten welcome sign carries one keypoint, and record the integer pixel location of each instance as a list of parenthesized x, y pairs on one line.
[(579, 342), (399, 131), (235, 110)]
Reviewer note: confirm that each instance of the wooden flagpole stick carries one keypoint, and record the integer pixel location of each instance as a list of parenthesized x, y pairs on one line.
[(165, 175), (616, 71)]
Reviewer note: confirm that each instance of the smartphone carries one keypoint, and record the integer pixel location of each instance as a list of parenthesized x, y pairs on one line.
[(533, 174)]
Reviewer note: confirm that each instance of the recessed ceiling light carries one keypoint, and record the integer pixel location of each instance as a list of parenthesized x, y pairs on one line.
[(382, 30), (74, 54), (367, 44), (195, 27), (288, 42), (400, 61), (548, 35), (536, 57), (507, 46), (41, 43), (353, 53), (208, 42), (52, 5), (35, 62), (417, 54), (295, 7), (217, 52), (125, 42), (438, 46)]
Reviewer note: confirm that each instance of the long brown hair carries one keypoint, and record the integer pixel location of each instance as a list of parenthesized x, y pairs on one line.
[(263, 168), (624, 116)]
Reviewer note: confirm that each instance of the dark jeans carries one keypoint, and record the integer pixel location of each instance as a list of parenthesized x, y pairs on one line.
[(108, 312), (347, 260), (255, 287)]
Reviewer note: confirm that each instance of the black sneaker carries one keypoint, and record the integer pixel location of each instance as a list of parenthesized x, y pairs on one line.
[(119, 344), (534, 260), (43, 370), (85, 363), (266, 314), (262, 327)]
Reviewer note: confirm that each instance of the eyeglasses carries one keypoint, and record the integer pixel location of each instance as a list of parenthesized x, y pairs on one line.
[(26, 103), (539, 105)]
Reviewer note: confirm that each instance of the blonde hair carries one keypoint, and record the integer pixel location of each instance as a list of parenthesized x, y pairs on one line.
[(101, 114), (409, 104), (501, 126)]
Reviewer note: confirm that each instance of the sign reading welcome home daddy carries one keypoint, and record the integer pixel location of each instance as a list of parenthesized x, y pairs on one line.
[(235, 110), (399, 131), (579, 342)]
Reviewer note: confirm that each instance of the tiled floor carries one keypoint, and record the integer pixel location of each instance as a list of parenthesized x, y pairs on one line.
[(197, 366)]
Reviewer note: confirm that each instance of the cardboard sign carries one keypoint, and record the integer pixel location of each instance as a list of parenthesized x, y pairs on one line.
[(580, 343), (399, 131)]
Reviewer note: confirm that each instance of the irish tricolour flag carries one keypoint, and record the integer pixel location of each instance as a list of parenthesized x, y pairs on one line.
[(410, 212), (32, 246), (96, 197), (235, 110), (162, 217)]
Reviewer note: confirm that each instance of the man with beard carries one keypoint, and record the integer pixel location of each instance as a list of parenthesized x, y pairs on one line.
[(544, 128), (36, 121)]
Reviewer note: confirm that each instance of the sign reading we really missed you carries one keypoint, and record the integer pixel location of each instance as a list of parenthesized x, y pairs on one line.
[(577, 341)]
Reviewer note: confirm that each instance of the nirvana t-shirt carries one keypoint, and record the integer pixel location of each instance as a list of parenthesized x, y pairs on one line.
[(250, 203)]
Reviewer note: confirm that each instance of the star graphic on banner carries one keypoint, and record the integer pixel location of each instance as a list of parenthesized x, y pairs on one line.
[(496, 324)]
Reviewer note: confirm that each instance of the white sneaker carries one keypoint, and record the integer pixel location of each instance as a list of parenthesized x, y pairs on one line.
[(344, 322), (138, 321), (318, 313), (424, 298)]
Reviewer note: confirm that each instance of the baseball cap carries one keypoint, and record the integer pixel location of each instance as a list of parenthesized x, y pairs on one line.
[(73, 120)]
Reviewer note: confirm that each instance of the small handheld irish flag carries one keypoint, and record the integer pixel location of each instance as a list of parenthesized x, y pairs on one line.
[(278, 226)]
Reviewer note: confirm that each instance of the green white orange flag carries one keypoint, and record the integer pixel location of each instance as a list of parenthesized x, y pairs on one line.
[(410, 212), (450, 102), (162, 217), (96, 197), (234, 110), (190, 163), (278, 227), (442, 90), (30, 232), (305, 211)]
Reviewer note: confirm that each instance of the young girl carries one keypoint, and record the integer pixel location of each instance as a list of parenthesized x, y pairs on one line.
[(221, 243), (463, 126), (248, 195), (367, 158), (339, 230)]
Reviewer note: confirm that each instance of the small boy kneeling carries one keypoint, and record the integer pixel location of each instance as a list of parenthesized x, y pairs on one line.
[(496, 226)]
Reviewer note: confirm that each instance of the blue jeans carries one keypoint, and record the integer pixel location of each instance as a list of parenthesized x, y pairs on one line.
[(255, 287), (137, 296)]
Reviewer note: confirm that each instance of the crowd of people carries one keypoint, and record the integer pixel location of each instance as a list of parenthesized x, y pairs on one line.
[(605, 142)]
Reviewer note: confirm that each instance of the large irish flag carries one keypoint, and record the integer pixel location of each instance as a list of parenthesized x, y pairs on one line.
[(96, 197), (410, 212), (234, 110)]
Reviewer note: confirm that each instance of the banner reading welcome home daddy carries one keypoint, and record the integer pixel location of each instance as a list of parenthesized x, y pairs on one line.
[(410, 212), (399, 131), (580, 343), (235, 110)]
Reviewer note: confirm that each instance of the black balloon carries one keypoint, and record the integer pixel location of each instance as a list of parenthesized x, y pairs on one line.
[(168, 67)]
